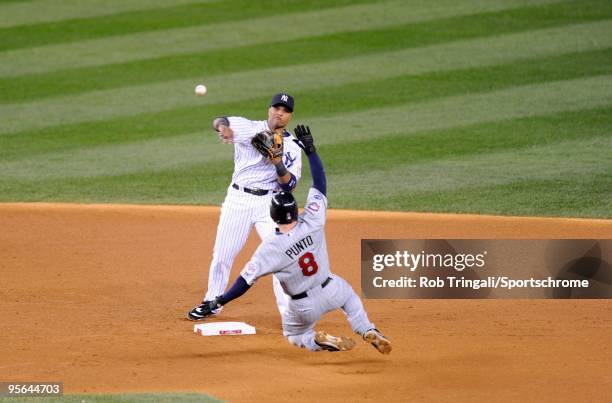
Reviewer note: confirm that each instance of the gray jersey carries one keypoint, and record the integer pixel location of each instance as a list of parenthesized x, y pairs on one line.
[(298, 258)]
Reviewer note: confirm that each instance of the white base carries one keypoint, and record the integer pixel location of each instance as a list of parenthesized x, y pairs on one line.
[(223, 329)]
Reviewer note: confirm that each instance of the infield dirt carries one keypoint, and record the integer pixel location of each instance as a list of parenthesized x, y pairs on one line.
[(95, 296)]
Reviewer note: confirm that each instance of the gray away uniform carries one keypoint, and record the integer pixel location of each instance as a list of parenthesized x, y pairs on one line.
[(299, 260)]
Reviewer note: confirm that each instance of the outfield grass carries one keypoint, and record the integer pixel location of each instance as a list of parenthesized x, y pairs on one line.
[(484, 106)]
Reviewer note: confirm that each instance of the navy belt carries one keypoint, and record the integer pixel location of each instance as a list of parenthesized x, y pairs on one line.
[(305, 294), (256, 192)]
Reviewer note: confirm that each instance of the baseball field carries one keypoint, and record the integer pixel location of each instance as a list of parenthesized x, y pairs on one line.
[(485, 119)]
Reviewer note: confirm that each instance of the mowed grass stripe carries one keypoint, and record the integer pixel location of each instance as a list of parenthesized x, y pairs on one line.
[(589, 196), (449, 112), (409, 186), (306, 50), (557, 196), (311, 104), (110, 104), (468, 109), (456, 142), (185, 185), (575, 160), (224, 35), (41, 11), (348, 157), (143, 156), (168, 15)]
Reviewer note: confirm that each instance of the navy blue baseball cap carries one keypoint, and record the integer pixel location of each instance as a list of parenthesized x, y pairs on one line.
[(282, 99)]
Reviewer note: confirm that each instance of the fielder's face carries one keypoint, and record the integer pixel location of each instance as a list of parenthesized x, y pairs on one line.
[(278, 117)]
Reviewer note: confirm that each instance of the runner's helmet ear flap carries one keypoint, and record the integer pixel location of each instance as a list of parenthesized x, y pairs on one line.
[(283, 208)]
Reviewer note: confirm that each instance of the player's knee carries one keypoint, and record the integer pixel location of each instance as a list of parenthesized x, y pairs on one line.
[(303, 341), (222, 263), (296, 341)]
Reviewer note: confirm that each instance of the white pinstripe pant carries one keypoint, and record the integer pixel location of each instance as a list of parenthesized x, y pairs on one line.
[(239, 213)]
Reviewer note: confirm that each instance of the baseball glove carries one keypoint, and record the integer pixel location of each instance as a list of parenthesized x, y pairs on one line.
[(269, 144)]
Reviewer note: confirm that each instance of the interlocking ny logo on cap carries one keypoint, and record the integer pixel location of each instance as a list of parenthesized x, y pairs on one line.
[(282, 98)]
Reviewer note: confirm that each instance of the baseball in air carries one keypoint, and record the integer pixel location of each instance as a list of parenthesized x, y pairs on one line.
[(200, 89)]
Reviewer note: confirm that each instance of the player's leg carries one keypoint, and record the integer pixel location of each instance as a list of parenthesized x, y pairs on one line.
[(232, 233), (298, 324), (282, 299), (357, 316), (340, 294), (265, 226), (304, 340), (235, 224), (298, 327), (321, 341)]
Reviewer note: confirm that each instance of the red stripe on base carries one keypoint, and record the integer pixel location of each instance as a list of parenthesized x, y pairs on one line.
[(237, 331)]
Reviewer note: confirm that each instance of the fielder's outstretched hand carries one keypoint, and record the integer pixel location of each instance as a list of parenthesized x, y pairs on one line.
[(305, 137), (226, 134), (223, 129)]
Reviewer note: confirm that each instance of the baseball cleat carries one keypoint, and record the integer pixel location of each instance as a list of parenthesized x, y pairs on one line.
[(380, 342), (333, 343), (198, 313)]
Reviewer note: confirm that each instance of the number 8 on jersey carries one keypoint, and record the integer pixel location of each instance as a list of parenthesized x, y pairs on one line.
[(308, 264)]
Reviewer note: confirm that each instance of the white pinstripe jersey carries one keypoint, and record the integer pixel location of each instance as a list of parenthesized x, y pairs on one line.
[(251, 169), (298, 258)]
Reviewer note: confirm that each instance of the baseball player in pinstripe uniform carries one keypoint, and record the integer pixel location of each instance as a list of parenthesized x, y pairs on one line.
[(297, 255), (254, 181)]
